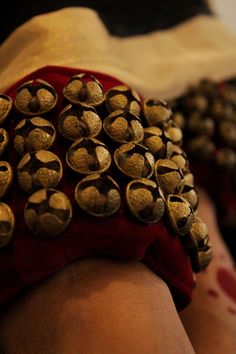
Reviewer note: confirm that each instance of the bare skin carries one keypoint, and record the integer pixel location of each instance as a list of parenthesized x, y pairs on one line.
[(210, 320), (96, 306)]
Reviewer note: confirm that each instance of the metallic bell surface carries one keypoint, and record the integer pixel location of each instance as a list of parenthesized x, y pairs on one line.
[(177, 155), (34, 134), (35, 97), (156, 112), (98, 195), (6, 104), (84, 89), (88, 155), (180, 213), (48, 213), (173, 133), (169, 176), (190, 193), (76, 122), (123, 127), (4, 141), (145, 200), (154, 141), (7, 224), (134, 160), (37, 170), (123, 98), (6, 177)]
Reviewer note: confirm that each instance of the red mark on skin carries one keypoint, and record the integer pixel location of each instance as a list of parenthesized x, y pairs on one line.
[(227, 282), (212, 293), (231, 310), (222, 256)]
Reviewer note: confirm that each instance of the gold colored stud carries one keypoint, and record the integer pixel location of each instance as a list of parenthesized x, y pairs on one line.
[(156, 112), (48, 213), (41, 169), (76, 122), (5, 107), (88, 155), (34, 134), (4, 140), (98, 195), (201, 259), (123, 98), (134, 160), (84, 89), (7, 224), (6, 177), (35, 97), (123, 127), (180, 213), (169, 177), (145, 200), (154, 141)]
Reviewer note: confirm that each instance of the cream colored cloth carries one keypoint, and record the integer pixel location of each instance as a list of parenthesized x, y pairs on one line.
[(161, 64)]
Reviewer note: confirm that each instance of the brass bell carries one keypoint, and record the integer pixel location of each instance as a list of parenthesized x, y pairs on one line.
[(76, 122), (88, 155), (34, 134), (180, 213), (5, 107), (41, 169), (201, 147), (201, 259), (48, 213), (176, 154), (4, 140), (173, 133), (153, 140), (7, 224), (123, 98), (227, 130), (179, 119), (198, 124), (190, 193), (6, 177), (225, 159), (123, 127), (145, 200), (195, 102), (169, 177), (199, 246), (134, 160), (84, 89), (35, 97), (156, 112), (189, 179), (98, 195)]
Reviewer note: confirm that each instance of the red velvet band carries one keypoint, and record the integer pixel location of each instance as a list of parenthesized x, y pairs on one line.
[(28, 259)]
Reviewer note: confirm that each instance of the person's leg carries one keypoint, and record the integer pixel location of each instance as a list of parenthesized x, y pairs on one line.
[(210, 320), (96, 306)]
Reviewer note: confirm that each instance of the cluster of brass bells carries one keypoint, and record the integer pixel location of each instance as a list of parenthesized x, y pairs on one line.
[(113, 136), (207, 114)]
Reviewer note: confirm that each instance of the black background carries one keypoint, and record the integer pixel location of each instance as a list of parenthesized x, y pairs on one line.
[(122, 17)]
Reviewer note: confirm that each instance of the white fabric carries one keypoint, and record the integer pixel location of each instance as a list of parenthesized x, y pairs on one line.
[(161, 64)]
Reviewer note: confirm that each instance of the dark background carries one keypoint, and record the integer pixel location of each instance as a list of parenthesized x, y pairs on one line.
[(122, 17)]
